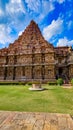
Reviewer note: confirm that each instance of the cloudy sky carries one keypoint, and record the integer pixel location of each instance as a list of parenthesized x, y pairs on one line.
[(54, 17)]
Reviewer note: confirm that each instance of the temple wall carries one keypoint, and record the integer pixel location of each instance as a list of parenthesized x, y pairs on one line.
[(37, 72), (11, 60), (32, 57), (23, 69), (49, 58), (24, 59), (9, 73), (2, 60), (71, 71), (37, 58), (49, 72), (27, 72), (1, 73), (34, 67), (18, 72)]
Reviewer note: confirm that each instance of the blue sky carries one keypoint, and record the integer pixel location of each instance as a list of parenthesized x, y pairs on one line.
[(54, 17)]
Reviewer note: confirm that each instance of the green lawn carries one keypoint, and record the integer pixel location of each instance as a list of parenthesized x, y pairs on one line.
[(54, 99)]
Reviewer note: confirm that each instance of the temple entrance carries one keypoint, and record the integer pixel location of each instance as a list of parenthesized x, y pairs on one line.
[(60, 71)]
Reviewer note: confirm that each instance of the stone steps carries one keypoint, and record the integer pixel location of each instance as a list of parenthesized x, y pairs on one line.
[(67, 85)]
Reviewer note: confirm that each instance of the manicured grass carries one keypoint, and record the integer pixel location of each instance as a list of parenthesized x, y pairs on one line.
[(54, 99)]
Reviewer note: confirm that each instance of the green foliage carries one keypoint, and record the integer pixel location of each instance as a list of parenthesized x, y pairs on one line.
[(71, 81), (53, 99), (59, 81), (52, 83), (29, 83), (12, 83), (33, 82)]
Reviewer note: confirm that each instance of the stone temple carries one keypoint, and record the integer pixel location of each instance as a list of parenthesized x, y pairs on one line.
[(31, 57)]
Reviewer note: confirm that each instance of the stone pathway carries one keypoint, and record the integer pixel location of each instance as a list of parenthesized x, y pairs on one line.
[(35, 121)]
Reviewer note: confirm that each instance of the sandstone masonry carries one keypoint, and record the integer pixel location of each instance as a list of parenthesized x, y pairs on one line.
[(31, 57)]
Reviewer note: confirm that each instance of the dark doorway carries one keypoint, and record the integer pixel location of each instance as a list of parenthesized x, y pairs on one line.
[(23, 71), (60, 71)]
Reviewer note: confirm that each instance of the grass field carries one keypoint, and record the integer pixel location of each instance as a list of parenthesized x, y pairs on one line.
[(55, 99)]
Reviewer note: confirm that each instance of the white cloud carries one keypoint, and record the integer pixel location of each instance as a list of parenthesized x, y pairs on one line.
[(60, 1), (64, 42), (53, 29), (1, 12), (70, 24), (15, 6), (32, 9), (33, 5), (47, 7), (20, 33), (5, 34), (42, 8)]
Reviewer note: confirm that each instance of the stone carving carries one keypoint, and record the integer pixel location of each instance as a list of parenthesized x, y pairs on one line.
[(31, 56)]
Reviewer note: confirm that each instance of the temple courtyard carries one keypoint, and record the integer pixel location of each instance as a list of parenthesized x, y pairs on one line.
[(22, 109), (53, 99)]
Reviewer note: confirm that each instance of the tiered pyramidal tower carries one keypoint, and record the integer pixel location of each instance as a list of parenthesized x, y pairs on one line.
[(31, 57), (30, 38)]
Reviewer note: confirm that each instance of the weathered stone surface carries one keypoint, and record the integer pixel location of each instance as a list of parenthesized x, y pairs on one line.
[(32, 57), (35, 121)]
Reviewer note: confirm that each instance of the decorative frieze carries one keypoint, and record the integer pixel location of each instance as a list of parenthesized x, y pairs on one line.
[(32, 57)]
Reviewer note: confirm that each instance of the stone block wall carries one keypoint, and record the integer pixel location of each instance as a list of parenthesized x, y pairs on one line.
[(50, 72), (18, 72), (1, 73), (9, 73), (2, 60), (32, 57), (49, 58), (71, 71), (24, 59), (11, 60)]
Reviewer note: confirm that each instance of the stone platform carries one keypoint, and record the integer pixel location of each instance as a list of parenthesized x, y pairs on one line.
[(35, 121), (36, 87)]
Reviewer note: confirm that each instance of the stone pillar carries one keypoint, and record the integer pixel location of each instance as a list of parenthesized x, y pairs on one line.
[(5, 73), (6, 68), (43, 72), (14, 73), (14, 68)]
